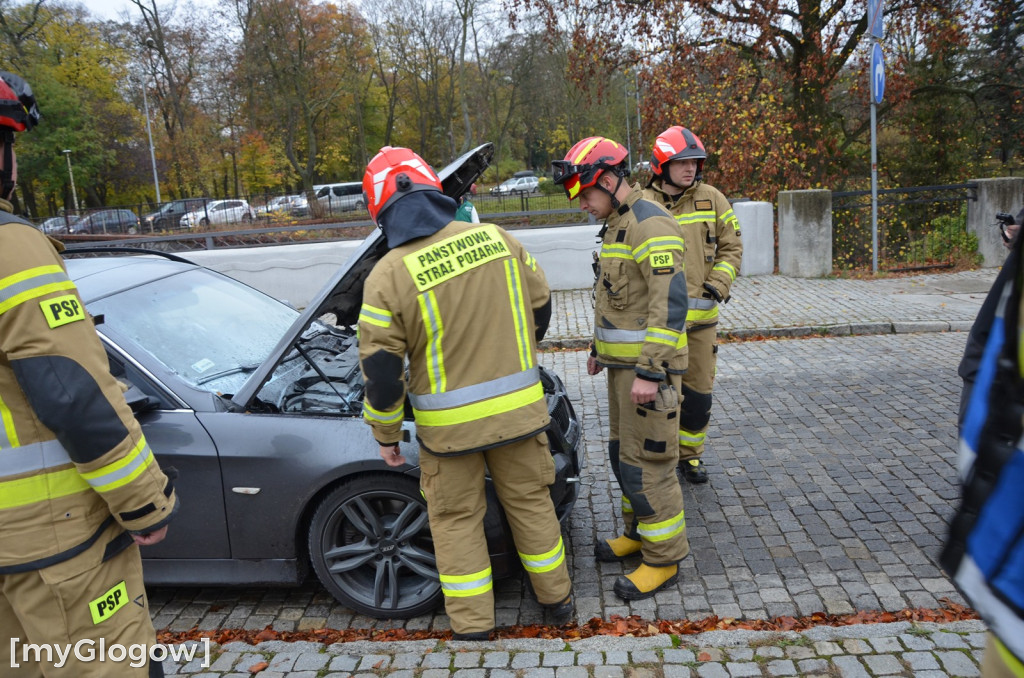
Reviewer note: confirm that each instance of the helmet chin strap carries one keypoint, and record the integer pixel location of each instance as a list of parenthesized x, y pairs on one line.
[(611, 194), (6, 175)]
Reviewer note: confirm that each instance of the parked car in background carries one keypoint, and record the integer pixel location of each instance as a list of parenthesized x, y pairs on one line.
[(220, 212), (345, 197), (106, 221), (517, 186), (264, 422), (169, 216), (284, 206), (57, 225)]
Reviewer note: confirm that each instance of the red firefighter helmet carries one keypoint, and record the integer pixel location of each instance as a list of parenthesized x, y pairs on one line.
[(394, 173), (18, 110), (677, 143), (586, 161)]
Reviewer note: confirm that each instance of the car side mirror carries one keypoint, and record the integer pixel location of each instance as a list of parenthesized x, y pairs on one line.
[(139, 401)]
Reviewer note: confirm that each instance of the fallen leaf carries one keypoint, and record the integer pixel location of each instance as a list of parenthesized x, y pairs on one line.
[(256, 668)]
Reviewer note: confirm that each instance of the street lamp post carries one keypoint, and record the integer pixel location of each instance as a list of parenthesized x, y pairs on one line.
[(150, 44), (152, 153), (71, 175)]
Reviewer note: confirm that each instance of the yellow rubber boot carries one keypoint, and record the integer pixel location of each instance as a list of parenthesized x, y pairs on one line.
[(645, 581), (613, 550)]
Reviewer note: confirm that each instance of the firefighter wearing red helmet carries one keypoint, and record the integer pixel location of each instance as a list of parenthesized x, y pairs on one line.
[(640, 336), (80, 490), (713, 254), (466, 304)]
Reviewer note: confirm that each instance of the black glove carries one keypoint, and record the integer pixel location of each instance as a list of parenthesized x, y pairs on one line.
[(712, 293)]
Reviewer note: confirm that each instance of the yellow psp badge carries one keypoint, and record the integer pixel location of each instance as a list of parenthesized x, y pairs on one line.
[(62, 310)]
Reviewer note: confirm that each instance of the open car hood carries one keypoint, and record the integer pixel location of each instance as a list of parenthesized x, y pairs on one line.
[(343, 293)]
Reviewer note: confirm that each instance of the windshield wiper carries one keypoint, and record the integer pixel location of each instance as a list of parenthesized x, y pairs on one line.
[(241, 369)]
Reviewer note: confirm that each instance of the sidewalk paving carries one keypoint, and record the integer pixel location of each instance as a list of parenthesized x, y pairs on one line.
[(832, 479)]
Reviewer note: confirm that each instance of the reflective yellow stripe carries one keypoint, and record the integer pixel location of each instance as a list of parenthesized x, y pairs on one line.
[(544, 562), (381, 416), (121, 472), (32, 283), (466, 585), (661, 335), (515, 297), (727, 267), (665, 243), (434, 327), (42, 487), (10, 436), (375, 316), (729, 217), (1014, 665), (695, 315), (627, 505), (481, 410), (694, 217), (614, 250), (586, 149), (691, 439), (631, 350), (664, 530), (530, 261)]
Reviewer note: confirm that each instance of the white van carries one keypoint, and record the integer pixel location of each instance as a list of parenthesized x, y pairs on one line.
[(340, 197)]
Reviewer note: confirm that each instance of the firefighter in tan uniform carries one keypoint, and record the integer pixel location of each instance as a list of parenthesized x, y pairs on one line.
[(80, 489), (466, 304), (640, 336), (713, 254)]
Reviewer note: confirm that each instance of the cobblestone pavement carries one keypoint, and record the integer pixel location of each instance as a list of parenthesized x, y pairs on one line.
[(832, 478)]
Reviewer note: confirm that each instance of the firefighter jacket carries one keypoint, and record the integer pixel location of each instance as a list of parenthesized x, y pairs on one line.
[(640, 293), (72, 457), (985, 550), (461, 304), (713, 246)]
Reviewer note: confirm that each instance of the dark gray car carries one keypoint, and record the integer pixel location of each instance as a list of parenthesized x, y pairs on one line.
[(259, 408)]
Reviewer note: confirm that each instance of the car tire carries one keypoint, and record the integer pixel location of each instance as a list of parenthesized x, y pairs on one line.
[(370, 546), (246, 218), (204, 222), (132, 230)]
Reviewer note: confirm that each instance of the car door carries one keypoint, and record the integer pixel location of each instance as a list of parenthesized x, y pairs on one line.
[(199, 529)]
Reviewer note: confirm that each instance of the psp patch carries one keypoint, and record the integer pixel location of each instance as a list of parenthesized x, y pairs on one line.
[(62, 310), (110, 602), (661, 263)]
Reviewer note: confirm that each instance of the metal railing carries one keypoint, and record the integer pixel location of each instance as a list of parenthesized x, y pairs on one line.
[(919, 228)]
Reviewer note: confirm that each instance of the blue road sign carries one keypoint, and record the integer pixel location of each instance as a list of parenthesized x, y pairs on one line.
[(877, 74), (875, 27)]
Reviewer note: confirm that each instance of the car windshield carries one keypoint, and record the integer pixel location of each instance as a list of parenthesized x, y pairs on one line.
[(209, 330)]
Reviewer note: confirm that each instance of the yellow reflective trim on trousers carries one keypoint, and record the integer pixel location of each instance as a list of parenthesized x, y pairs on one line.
[(664, 530), (693, 217), (689, 439), (384, 417), (480, 410), (664, 243), (123, 471), (434, 327), (727, 267), (41, 487), (10, 436), (375, 316), (544, 562), (1014, 665), (466, 585), (627, 505), (695, 315), (515, 298), (631, 350)]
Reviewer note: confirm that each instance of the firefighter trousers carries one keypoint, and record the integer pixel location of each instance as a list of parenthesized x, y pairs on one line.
[(456, 503), (78, 604), (648, 452), (699, 379)]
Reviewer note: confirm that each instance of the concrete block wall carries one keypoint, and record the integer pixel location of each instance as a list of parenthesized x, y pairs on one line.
[(295, 273), (1005, 194), (805, 233)]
